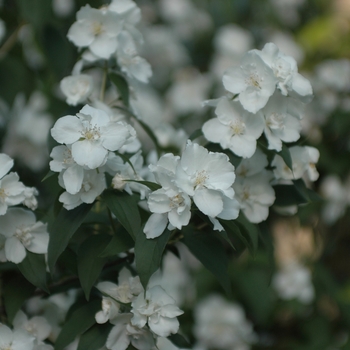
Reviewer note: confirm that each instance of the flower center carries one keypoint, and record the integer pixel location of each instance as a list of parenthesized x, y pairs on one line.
[(67, 157), (245, 194), (23, 235), (254, 80), (91, 133), (237, 127), (6, 347), (176, 201), (275, 121), (97, 28), (3, 195), (201, 177)]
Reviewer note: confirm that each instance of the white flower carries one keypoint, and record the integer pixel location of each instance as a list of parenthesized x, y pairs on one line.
[(127, 289), (92, 186), (124, 332), (37, 326), (76, 88), (303, 160), (96, 29), (255, 195), (11, 192), (30, 200), (110, 310), (15, 340), (253, 165), (280, 124), (253, 80), (92, 135), (234, 128), (157, 309), (22, 232), (294, 281), (286, 71), (222, 325)]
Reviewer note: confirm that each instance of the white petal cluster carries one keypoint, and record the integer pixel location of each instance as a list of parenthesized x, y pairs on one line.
[(265, 93), (222, 325), (13, 191), (152, 312), (107, 32), (89, 140), (17, 339), (294, 281), (199, 175), (76, 88), (253, 188), (21, 232)]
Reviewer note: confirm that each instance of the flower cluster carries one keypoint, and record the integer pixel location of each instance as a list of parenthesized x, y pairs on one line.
[(199, 175), (89, 140), (138, 316)]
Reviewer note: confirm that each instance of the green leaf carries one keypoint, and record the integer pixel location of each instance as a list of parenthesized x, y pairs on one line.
[(208, 249), (151, 135), (89, 263), (37, 12), (95, 338), (122, 86), (33, 268), (48, 175), (62, 229), (285, 154), (16, 291), (287, 195), (179, 341), (148, 254), (80, 320), (119, 243), (125, 208)]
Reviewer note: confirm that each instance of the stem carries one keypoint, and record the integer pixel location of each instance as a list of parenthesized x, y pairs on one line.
[(10, 42)]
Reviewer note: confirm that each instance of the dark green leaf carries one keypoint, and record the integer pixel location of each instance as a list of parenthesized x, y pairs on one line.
[(285, 154), (89, 263), (122, 86), (48, 175), (251, 231), (148, 254), (62, 229), (179, 341), (33, 268), (125, 208), (80, 320), (119, 243), (95, 338), (16, 291), (36, 12), (287, 195), (208, 249)]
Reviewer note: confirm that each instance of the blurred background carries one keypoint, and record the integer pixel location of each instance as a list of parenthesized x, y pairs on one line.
[(295, 292)]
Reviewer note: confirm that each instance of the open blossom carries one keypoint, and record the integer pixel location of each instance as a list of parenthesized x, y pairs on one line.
[(92, 135), (96, 29), (304, 160), (18, 339), (76, 88), (22, 232), (253, 80), (234, 128), (157, 309)]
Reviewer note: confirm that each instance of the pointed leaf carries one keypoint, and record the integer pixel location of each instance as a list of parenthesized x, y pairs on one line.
[(285, 154), (89, 263), (148, 254), (208, 249), (179, 341), (125, 208), (119, 243), (251, 231), (95, 338), (122, 86), (33, 268), (48, 175), (287, 195), (16, 292), (151, 185), (62, 229), (80, 320)]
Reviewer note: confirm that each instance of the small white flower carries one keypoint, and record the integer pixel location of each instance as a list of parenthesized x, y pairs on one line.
[(76, 88), (293, 281), (157, 309), (110, 310), (253, 80), (22, 232), (96, 29), (234, 128), (92, 135), (30, 200), (15, 340)]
